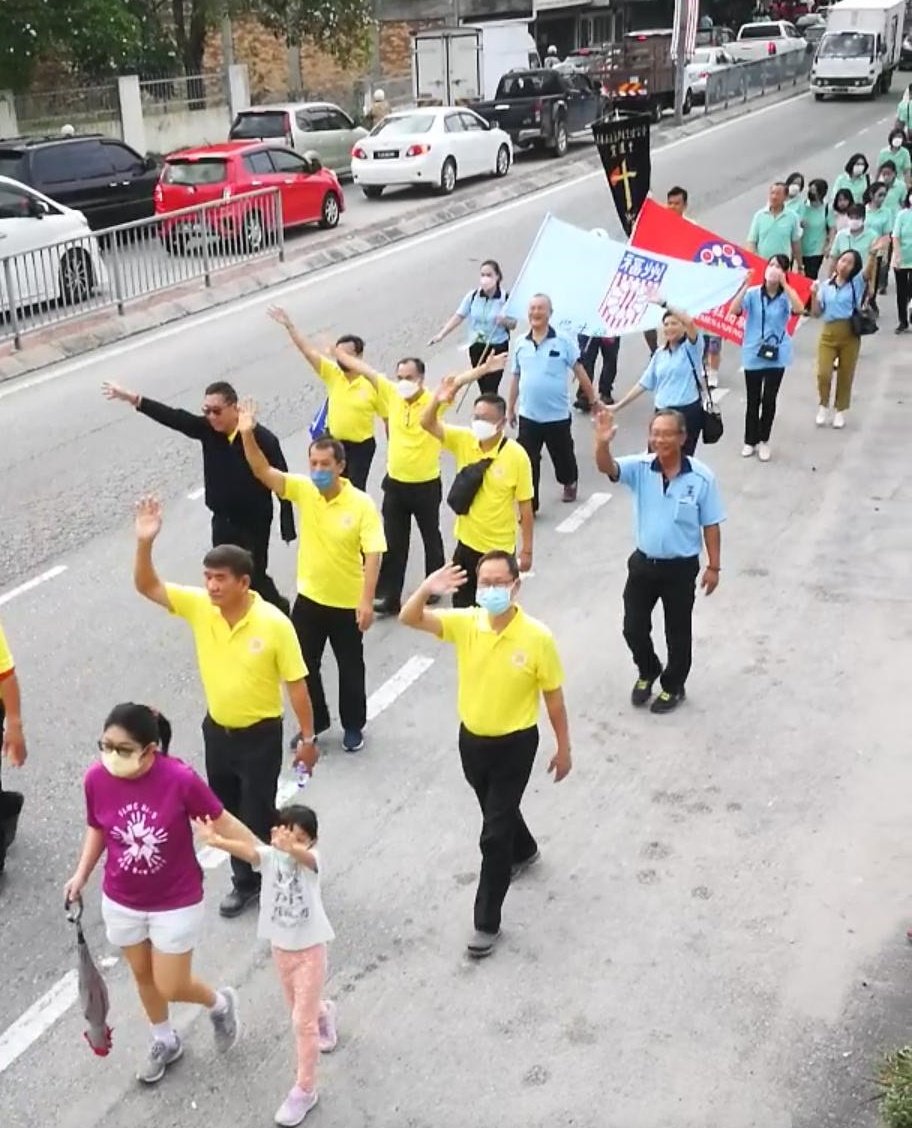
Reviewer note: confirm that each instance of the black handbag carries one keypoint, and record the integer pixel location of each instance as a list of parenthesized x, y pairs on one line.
[(864, 321), (713, 427), (467, 483)]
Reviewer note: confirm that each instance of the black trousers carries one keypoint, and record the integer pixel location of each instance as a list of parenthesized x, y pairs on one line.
[(401, 502), (591, 348), (903, 276), (762, 389), (693, 417), (478, 349), (558, 438), (317, 624), (254, 536), (243, 766), (467, 558), (358, 459), (10, 805), (497, 769), (674, 583), (812, 265)]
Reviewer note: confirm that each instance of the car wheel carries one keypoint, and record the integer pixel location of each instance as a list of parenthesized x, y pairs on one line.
[(688, 103), (330, 212), (559, 144), (373, 191), (173, 243), (657, 112), (502, 164), (818, 97), (253, 231), (76, 277), (448, 177)]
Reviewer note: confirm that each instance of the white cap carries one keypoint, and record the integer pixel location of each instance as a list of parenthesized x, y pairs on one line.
[(67, 130), (379, 96), (552, 50)]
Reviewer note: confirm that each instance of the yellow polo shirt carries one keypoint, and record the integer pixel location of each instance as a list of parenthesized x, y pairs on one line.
[(242, 668), (353, 404), (333, 537), (413, 454), (7, 665), (491, 520), (501, 676)]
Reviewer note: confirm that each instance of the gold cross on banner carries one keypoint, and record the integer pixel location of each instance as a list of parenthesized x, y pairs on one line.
[(623, 176)]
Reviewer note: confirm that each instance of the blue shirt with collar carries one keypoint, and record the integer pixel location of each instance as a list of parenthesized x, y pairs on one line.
[(672, 373), (839, 302), (543, 371), (765, 322), (670, 514), (480, 311)]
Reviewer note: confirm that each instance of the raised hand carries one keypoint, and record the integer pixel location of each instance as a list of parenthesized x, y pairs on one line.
[(496, 362), (446, 393), (148, 518), (445, 580), (247, 413), (605, 425), (113, 391), (280, 317)]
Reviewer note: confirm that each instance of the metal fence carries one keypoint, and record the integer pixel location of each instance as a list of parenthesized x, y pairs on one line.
[(43, 111), (743, 81), (184, 92), (112, 268)]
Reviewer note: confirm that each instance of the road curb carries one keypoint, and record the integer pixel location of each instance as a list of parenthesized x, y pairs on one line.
[(106, 327)]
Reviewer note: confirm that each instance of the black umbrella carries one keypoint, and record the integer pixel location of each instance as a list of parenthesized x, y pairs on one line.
[(93, 991)]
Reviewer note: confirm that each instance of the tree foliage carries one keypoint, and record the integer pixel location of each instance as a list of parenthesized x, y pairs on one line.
[(337, 26)]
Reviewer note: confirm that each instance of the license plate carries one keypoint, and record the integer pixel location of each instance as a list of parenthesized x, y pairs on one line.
[(386, 154)]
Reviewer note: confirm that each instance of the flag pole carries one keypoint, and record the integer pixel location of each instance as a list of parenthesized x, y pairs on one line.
[(680, 59)]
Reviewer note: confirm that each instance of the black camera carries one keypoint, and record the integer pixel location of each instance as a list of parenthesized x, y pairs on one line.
[(768, 352)]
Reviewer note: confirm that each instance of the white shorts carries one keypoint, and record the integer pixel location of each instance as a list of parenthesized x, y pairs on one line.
[(172, 932)]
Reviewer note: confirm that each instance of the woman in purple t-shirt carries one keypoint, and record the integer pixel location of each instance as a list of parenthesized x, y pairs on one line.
[(139, 803)]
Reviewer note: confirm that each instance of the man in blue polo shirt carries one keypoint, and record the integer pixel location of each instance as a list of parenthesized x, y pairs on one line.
[(677, 509), (542, 361)]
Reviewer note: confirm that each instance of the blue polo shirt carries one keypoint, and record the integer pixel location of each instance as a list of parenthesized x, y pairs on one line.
[(480, 311), (838, 302), (766, 322), (543, 371), (669, 516), (672, 373)]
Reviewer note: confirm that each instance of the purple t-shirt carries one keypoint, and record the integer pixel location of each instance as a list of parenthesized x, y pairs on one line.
[(150, 862)]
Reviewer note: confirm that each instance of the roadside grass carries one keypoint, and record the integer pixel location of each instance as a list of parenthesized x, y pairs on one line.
[(895, 1082)]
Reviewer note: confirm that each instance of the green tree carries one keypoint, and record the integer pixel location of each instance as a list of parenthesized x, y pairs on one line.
[(337, 26)]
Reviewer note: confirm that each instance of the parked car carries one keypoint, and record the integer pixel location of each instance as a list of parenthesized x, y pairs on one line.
[(704, 62), (306, 127), (765, 38), (45, 267), (542, 108), (103, 178), (714, 36), (436, 146), (643, 79), (905, 53), (309, 192), (811, 28)]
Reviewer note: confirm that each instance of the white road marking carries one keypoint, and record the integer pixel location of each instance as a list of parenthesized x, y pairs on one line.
[(395, 686), (839, 144), (583, 512), (358, 263), (40, 1017), (195, 495), (35, 581)]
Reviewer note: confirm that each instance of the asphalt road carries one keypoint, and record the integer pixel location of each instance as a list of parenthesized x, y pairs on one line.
[(713, 885)]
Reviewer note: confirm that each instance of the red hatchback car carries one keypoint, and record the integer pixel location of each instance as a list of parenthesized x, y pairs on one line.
[(309, 192)]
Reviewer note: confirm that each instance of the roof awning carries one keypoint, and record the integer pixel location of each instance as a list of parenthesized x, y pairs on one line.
[(540, 6)]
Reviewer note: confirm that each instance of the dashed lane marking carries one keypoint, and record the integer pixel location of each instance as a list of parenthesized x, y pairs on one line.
[(583, 512), (35, 581), (40, 1017)]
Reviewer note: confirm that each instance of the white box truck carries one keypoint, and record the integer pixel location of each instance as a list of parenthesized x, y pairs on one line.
[(860, 48), (456, 65)]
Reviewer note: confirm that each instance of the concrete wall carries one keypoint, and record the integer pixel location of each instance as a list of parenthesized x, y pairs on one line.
[(169, 131)]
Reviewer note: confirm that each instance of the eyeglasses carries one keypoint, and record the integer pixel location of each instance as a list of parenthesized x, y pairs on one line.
[(124, 750), (213, 410)]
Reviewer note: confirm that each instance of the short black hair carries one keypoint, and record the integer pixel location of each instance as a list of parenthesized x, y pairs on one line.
[(857, 158), (856, 211), (146, 725), (793, 176), (677, 192), (890, 164), (670, 413), (327, 442), (298, 815), (416, 360), (356, 342), (499, 554), (230, 558), (821, 186), (494, 399), (224, 389)]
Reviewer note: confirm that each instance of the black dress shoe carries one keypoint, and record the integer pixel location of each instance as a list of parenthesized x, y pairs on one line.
[(387, 607), (667, 702), (234, 903)]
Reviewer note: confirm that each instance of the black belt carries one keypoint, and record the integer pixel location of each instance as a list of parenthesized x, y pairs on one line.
[(264, 723), (667, 559)]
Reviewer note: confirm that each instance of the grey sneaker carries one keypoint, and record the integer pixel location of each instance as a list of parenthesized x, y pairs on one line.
[(482, 944), (159, 1057), (226, 1025)]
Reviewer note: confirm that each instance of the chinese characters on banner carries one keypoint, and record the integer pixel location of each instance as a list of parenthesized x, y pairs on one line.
[(662, 231), (636, 282), (623, 145)]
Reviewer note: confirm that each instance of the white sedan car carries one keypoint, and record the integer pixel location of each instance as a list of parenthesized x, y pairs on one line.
[(704, 62), (47, 251), (434, 145)]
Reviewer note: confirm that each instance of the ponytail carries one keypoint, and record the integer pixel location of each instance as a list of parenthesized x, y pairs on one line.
[(144, 724)]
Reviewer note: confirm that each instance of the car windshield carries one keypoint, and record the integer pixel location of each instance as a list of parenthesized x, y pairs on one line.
[(11, 164), (253, 126), (846, 45), (207, 171), (405, 124), (527, 85), (760, 31)]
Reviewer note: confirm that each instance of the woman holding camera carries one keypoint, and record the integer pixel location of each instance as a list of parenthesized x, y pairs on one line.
[(766, 350)]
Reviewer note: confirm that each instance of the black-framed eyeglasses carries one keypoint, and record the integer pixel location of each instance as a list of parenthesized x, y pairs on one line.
[(125, 750)]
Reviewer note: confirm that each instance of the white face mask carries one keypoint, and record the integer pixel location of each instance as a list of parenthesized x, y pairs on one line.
[(408, 389), (123, 767), (855, 224), (794, 189), (896, 143), (488, 283), (858, 170), (483, 430)]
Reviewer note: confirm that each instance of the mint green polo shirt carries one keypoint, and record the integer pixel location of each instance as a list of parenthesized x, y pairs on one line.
[(774, 234), (847, 241), (813, 228), (856, 185), (900, 157), (902, 231), (879, 220)]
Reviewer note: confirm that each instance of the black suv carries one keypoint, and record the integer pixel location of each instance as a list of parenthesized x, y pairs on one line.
[(105, 179)]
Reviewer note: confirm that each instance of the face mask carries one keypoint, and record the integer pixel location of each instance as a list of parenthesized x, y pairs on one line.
[(794, 189), (895, 142), (494, 600), (483, 430), (123, 767), (408, 389), (488, 283), (856, 224), (322, 479), (858, 170), (771, 274)]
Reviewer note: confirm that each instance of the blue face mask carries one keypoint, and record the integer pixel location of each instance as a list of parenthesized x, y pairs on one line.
[(322, 479), (494, 600)]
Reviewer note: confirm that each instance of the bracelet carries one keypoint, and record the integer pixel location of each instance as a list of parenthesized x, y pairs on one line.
[(712, 568)]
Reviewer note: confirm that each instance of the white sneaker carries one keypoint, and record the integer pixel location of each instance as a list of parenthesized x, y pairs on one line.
[(823, 414), (747, 450), (839, 420), (713, 380), (763, 452)]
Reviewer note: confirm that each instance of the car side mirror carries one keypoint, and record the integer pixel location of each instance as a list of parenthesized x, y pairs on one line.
[(37, 209), (150, 164)]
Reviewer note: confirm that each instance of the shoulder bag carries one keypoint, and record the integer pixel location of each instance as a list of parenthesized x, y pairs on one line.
[(468, 481), (864, 320), (713, 427)]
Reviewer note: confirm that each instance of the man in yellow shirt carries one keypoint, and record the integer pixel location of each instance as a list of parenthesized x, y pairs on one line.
[(246, 648), (497, 645), (341, 544), (353, 404), (489, 523), (13, 744)]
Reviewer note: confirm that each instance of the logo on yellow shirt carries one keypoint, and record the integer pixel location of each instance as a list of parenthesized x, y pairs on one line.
[(255, 646), (346, 520), (518, 659)]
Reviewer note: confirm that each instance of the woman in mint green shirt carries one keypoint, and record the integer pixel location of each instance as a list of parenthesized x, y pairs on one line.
[(904, 112), (902, 262), (794, 193), (879, 221), (854, 177), (814, 230), (896, 188), (897, 152), (854, 237)]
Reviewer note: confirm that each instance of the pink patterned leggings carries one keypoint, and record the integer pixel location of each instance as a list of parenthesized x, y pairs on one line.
[(302, 974)]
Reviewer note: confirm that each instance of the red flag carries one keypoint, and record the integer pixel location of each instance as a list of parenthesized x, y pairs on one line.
[(664, 232)]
